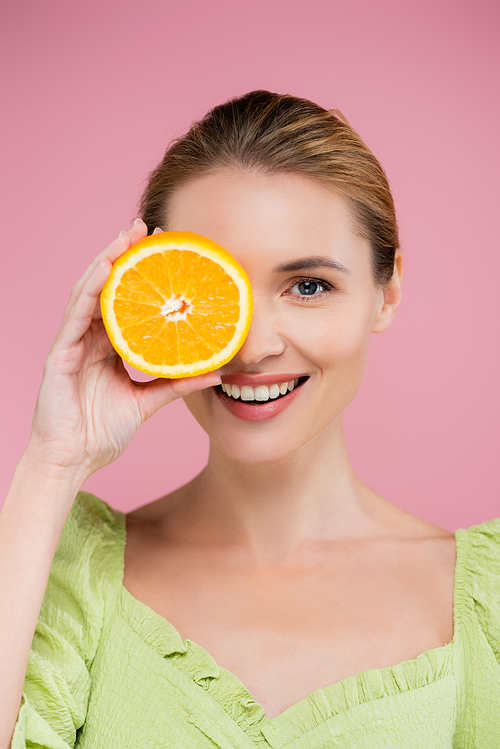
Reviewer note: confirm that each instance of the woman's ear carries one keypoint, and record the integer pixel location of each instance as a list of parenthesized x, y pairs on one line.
[(390, 296)]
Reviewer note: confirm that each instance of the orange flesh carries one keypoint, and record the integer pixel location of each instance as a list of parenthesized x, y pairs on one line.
[(208, 298)]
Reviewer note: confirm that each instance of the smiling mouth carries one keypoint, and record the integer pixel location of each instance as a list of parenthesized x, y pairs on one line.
[(256, 396)]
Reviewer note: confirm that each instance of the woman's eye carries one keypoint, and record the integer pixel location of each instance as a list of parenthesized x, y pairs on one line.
[(307, 288)]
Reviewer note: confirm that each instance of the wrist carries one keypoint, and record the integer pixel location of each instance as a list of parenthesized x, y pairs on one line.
[(37, 464)]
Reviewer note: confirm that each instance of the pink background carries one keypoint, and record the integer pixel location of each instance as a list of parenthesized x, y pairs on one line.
[(93, 93)]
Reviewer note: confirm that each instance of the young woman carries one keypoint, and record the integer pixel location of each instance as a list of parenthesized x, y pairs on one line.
[(275, 600)]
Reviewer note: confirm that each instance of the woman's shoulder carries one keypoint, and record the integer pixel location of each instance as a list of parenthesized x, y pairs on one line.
[(483, 546), (91, 542), (478, 576), (69, 626), (94, 515)]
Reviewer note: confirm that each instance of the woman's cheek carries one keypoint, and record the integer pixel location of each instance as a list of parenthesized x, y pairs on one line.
[(334, 337), (339, 351)]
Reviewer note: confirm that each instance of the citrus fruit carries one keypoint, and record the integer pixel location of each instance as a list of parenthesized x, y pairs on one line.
[(176, 304)]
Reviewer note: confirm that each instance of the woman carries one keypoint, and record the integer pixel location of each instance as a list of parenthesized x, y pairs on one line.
[(275, 600)]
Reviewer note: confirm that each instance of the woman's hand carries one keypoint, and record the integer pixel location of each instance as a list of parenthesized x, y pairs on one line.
[(88, 408)]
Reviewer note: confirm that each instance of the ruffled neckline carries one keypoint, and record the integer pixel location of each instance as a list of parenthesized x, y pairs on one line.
[(322, 704)]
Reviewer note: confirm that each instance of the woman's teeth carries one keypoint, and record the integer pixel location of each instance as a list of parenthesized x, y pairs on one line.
[(259, 393)]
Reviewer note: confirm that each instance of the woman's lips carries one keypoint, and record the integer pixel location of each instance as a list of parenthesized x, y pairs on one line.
[(255, 410)]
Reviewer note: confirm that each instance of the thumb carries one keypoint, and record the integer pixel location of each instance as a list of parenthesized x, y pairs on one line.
[(154, 395)]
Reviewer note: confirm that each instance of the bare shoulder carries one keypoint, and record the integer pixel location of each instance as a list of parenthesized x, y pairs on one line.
[(153, 513), (430, 541), (399, 521)]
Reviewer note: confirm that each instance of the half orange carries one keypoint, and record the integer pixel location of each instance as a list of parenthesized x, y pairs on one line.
[(177, 304)]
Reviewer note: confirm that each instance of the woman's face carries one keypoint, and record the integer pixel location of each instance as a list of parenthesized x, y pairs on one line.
[(315, 307)]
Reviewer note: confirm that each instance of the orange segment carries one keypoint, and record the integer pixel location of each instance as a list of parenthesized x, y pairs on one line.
[(176, 305)]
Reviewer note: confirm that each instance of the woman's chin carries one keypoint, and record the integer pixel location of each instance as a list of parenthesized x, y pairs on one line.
[(253, 453), (255, 435)]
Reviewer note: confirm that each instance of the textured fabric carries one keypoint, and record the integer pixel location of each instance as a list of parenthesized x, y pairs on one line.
[(107, 672)]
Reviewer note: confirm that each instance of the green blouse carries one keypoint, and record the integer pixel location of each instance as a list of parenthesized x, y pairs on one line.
[(105, 671)]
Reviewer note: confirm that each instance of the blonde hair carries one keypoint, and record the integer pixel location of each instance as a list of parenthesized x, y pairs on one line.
[(283, 133)]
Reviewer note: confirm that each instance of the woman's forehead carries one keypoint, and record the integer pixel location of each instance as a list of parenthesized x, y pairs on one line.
[(280, 215)]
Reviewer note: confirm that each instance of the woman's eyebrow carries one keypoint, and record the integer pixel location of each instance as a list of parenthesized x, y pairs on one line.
[(315, 261)]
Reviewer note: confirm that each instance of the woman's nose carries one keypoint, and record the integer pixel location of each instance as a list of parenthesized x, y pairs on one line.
[(263, 338)]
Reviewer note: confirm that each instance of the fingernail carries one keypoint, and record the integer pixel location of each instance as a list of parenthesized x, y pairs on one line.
[(158, 230), (138, 219), (122, 232)]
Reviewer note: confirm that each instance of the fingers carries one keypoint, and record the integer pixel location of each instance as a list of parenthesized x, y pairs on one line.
[(187, 385), (113, 251), (83, 305), (158, 393), (77, 321), (138, 231)]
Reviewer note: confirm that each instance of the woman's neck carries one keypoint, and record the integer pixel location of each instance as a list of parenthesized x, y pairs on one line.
[(273, 510)]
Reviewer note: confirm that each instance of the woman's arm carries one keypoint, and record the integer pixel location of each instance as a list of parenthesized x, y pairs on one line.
[(87, 411), (31, 523)]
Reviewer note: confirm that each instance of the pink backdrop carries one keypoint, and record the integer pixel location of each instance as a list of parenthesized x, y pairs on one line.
[(95, 90)]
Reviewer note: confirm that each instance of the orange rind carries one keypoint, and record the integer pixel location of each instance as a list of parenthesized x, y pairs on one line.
[(177, 304)]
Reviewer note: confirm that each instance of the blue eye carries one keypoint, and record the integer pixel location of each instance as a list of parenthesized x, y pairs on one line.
[(307, 288)]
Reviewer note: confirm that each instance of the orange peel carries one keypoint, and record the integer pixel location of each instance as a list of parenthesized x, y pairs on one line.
[(177, 304)]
